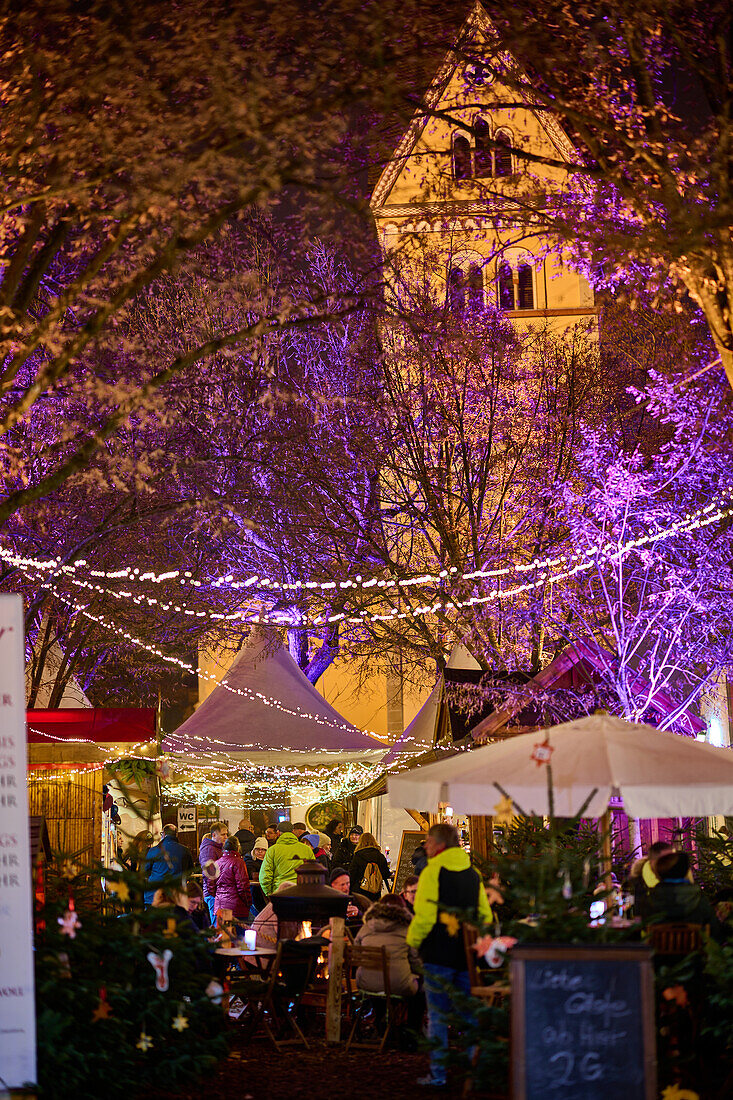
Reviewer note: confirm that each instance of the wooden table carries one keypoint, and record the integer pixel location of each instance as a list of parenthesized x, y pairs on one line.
[(259, 960)]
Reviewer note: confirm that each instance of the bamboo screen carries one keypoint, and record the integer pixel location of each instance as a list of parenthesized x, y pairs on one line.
[(73, 811)]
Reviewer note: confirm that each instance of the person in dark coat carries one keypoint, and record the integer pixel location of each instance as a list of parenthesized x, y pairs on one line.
[(245, 837), (209, 854), (676, 898), (339, 880), (346, 848), (334, 829), (419, 859), (232, 884), (165, 859), (254, 863), (361, 873)]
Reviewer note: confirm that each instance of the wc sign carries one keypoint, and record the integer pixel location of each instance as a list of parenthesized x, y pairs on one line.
[(186, 819)]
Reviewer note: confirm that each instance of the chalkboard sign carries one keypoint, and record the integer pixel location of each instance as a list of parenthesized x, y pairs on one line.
[(408, 844), (582, 1023)]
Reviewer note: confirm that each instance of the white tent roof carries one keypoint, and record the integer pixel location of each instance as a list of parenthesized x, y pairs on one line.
[(657, 773), (266, 711), (420, 734)]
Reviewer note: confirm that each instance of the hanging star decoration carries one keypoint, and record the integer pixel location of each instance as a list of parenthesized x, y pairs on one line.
[(121, 889), (159, 963), (70, 921), (676, 993), (144, 1043), (452, 923), (103, 1009), (69, 870), (542, 752), (180, 1022), (504, 811)]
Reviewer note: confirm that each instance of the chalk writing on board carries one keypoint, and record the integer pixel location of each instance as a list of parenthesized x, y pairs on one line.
[(583, 1023)]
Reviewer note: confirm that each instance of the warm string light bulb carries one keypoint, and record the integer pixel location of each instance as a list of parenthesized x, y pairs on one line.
[(710, 513)]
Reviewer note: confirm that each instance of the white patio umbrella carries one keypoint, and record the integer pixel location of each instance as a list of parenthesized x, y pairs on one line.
[(657, 773)]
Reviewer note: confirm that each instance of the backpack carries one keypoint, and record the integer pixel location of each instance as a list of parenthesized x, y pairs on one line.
[(372, 880)]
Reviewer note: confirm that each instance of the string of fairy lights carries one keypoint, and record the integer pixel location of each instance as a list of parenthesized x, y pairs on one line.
[(201, 771), (710, 513), (198, 776)]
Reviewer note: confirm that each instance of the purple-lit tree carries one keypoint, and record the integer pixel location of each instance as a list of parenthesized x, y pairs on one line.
[(643, 90), (133, 138)]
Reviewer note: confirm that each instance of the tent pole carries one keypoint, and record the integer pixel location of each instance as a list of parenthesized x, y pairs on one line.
[(605, 824)]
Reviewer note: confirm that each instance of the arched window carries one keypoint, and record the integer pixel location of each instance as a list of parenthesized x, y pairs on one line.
[(502, 154), (483, 152), (461, 158), (456, 299), (524, 285), (475, 285), (505, 285)]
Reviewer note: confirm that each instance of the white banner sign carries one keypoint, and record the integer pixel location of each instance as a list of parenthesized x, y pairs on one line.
[(17, 994), (186, 819)]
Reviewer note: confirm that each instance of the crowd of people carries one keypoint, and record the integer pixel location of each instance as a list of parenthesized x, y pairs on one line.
[(427, 959)]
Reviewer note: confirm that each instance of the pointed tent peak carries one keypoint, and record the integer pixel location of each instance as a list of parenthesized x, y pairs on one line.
[(419, 736), (462, 658), (265, 704)]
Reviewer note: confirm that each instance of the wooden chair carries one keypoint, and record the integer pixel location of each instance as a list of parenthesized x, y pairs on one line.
[(483, 982), (273, 1001), (675, 939), (370, 958)]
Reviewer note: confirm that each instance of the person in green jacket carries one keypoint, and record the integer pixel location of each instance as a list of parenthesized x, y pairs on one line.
[(448, 882), (282, 859)]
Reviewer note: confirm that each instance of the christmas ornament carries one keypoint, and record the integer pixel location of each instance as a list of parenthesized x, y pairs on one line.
[(567, 887), (64, 965), (542, 752), (70, 921), (674, 1092), (144, 1043), (503, 811), (103, 1009), (159, 963), (170, 927), (215, 991), (163, 769), (494, 949), (180, 1022)]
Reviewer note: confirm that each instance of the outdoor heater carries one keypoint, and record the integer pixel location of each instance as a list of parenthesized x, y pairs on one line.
[(311, 900)]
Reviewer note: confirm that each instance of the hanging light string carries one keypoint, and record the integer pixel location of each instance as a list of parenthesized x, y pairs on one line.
[(608, 551), (711, 513), (245, 693)]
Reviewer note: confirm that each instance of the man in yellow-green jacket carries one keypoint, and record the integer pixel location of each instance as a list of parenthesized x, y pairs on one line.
[(282, 859), (449, 882)]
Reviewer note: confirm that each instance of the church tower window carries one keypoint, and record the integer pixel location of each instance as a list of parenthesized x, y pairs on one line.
[(502, 153), (524, 285), (505, 285), (483, 163), (461, 157), (475, 287)]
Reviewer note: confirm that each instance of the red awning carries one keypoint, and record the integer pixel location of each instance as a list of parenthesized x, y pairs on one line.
[(100, 725)]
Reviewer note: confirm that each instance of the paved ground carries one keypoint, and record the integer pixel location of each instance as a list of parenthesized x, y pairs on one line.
[(256, 1071)]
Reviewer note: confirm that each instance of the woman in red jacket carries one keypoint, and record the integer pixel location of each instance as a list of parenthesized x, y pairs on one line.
[(232, 885)]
